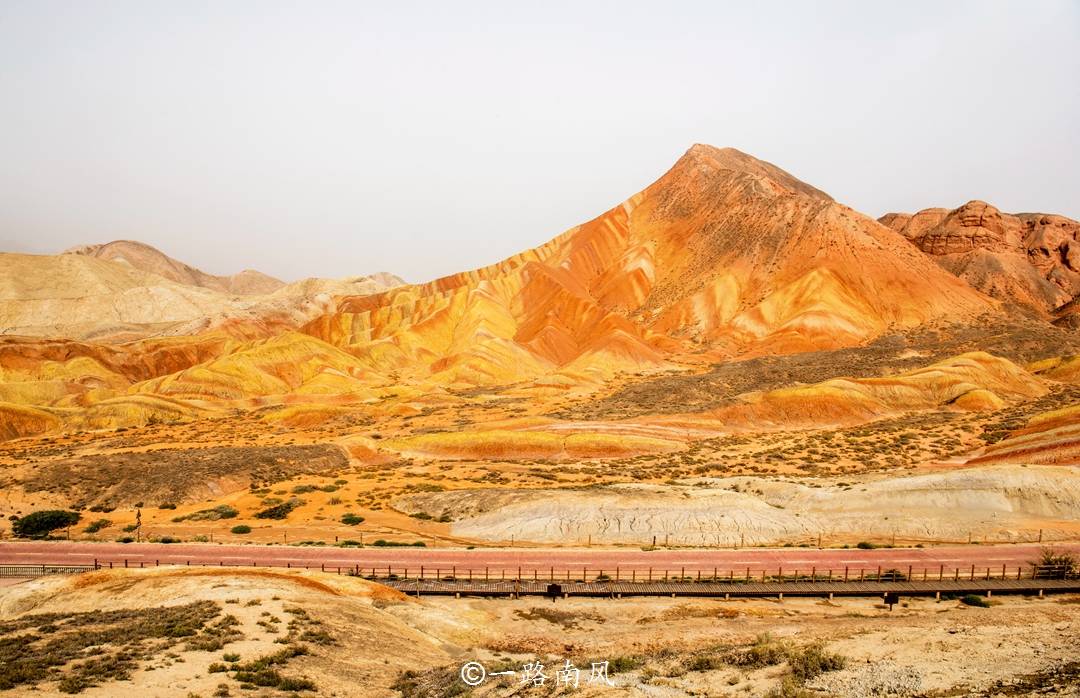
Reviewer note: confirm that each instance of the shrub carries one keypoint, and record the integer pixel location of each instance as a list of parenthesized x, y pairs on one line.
[(216, 668), (625, 663), (813, 660), (975, 600), (96, 526), (865, 545), (279, 511), (1057, 564), (222, 511), (42, 523), (241, 529), (167, 505), (352, 519)]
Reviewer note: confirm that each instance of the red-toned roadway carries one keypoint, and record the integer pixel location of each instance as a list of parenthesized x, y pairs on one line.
[(530, 560)]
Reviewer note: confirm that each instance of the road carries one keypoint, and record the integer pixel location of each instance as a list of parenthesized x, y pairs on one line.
[(541, 560)]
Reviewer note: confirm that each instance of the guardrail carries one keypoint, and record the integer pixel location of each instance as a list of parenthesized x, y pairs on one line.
[(597, 582), (31, 571), (743, 575)]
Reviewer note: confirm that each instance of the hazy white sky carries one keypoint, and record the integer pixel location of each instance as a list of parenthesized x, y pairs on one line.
[(332, 139)]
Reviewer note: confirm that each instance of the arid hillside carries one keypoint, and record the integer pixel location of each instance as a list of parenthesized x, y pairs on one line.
[(144, 257), (125, 291), (728, 321), (724, 253)]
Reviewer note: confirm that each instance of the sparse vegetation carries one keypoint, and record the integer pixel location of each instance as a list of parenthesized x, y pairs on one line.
[(41, 523), (46, 647), (222, 511)]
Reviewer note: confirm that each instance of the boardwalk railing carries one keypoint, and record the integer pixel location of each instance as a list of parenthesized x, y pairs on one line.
[(617, 582), (715, 575), (29, 571)]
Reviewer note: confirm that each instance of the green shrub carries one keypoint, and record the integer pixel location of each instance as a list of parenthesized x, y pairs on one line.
[(222, 511), (41, 523), (241, 529), (352, 519), (975, 600), (865, 545), (279, 511), (96, 526)]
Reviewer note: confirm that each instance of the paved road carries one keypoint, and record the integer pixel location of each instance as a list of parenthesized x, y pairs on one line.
[(497, 561)]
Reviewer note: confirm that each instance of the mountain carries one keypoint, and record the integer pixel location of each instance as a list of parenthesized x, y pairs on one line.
[(102, 295), (88, 297), (141, 256), (724, 253), (1028, 259), (728, 319)]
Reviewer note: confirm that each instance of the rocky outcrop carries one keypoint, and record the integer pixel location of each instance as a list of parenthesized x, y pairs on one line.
[(1028, 259)]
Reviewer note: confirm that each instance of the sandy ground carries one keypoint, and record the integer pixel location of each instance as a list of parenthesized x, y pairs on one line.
[(922, 647)]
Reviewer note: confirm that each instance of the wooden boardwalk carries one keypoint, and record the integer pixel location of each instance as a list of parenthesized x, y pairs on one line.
[(879, 584), (612, 589), (31, 571)]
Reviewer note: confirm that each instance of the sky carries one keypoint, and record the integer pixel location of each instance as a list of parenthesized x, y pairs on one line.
[(424, 138)]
